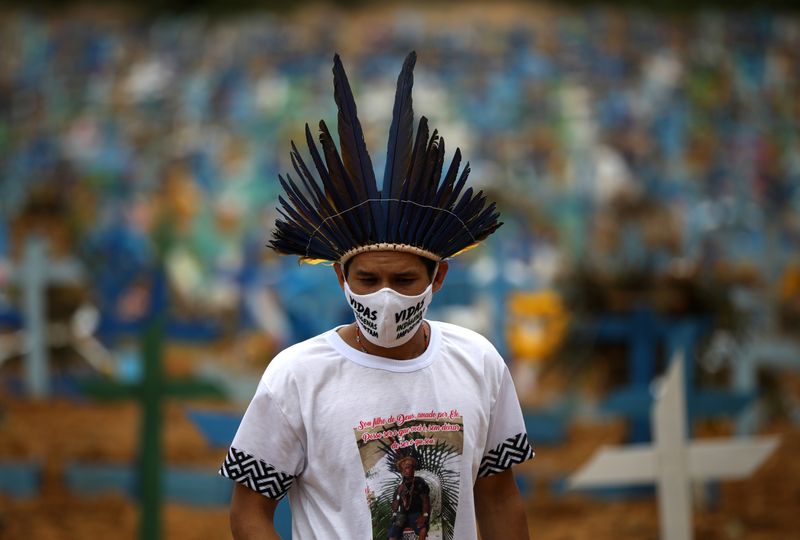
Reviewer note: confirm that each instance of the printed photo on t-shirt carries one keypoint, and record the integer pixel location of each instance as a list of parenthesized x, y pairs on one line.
[(411, 462)]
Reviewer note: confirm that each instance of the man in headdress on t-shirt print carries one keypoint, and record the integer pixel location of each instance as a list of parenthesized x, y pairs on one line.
[(411, 503), (390, 249)]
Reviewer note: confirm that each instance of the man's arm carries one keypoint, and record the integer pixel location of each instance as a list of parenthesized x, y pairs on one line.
[(395, 501), (499, 507), (252, 515), (426, 511)]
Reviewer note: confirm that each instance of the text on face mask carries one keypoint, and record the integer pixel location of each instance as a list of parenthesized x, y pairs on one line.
[(407, 313), (408, 326), (363, 311)]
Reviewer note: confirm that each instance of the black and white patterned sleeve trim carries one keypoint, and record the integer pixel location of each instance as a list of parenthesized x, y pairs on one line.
[(512, 451), (256, 474)]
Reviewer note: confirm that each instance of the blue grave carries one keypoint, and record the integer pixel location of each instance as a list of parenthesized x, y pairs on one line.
[(196, 487), (92, 479), (560, 486), (546, 426), (190, 486), (10, 317), (645, 334), (774, 353), (218, 428), (20, 479)]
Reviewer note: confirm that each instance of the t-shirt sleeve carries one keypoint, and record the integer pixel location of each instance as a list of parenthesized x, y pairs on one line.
[(507, 441), (267, 452)]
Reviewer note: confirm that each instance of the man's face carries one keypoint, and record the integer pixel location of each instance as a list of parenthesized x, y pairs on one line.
[(403, 272), (407, 469)]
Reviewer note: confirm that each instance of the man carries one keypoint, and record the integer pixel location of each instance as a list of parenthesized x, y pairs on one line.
[(411, 504), (332, 414)]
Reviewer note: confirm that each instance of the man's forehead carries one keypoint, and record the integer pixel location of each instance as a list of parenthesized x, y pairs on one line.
[(396, 261)]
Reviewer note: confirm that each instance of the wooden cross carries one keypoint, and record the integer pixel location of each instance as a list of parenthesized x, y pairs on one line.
[(671, 463), (33, 275), (150, 393)]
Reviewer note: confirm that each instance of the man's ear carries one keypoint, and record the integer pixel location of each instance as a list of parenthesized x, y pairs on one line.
[(438, 279), (339, 274)]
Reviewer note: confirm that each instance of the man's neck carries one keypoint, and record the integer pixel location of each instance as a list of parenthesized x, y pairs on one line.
[(407, 351)]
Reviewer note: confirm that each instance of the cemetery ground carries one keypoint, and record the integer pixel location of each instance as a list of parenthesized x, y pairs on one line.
[(62, 430)]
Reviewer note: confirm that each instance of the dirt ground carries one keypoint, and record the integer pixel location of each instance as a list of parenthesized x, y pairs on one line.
[(57, 431)]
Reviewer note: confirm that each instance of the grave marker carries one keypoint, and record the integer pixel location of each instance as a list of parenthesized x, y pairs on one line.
[(672, 462), (33, 276)]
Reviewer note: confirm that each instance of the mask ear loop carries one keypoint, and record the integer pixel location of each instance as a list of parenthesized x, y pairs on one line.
[(427, 335)]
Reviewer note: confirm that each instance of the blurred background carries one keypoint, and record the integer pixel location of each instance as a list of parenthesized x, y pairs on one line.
[(646, 163)]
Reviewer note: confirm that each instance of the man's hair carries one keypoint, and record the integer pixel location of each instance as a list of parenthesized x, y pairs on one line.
[(430, 266)]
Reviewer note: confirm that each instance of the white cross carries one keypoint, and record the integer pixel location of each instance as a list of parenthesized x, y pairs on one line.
[(671, 463), (33, 275)]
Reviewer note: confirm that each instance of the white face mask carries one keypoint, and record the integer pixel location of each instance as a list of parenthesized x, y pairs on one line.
[(386, 317)]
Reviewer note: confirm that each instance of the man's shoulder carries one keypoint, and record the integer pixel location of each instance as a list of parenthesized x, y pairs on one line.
[(462, 334), (301, 347), (466, 345), (296, 356)]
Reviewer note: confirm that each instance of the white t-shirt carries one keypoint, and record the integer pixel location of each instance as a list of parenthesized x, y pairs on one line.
[(329, 422)]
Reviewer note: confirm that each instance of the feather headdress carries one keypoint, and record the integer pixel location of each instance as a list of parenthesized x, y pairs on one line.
[(340, 212)]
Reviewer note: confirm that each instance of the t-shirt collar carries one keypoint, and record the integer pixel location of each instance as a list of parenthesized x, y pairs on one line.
[(389, 364)]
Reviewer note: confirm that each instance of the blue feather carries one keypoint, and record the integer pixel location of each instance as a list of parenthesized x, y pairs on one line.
[(323, 217), (355, 157), (401, 139), (344, 195)]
